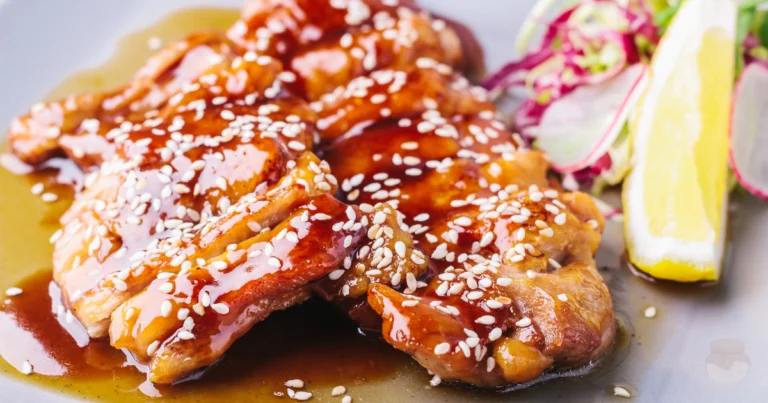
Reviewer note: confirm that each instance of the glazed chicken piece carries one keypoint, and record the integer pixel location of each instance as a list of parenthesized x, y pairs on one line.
[(218, 133), (253, 212), (185, 321), (526, 297), (219, 176), (205, 209), (326, 43), (204, 148), (511, 289), (86, 126), (157, 191)]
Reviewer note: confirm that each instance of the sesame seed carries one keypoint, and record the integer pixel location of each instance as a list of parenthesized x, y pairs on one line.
[(435, 381), (152, 348), (560, 219), (486, 320), (346, 399), (273, 261), (650, 312), (119, 284), (296, 145), (220, 308), (490, 364), (440, 251), (442, 348), (154, 43), (547, 232), (504, 281), (205, 298), (227, 115), (49, 197), (301, 395), (494, 334), (219, 265), (13, 291), (413, 171), (295, 383), (562, 297), (166, 288), (165, 308), (487, 239), (338, 391), (523, 322), (621, 391), (400, 249), (26, 368), (518, 218), (474, 295), (186, 335), (221, 183), (37, 189), (198, 165), (463, 221), (410, 303)]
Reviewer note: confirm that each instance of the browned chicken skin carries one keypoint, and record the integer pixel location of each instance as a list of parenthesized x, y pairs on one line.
[(511, 289), (205, 208)]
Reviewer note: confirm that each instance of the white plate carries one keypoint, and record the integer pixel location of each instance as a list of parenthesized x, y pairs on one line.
[(671, 358)]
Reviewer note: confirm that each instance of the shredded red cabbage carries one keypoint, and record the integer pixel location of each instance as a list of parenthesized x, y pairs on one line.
[(565, 58)]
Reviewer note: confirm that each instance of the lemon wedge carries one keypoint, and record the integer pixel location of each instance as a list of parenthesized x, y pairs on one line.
[(675, 197)]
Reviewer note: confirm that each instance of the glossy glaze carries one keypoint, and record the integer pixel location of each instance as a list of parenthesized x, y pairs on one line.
[(141, 203), (95, 371)]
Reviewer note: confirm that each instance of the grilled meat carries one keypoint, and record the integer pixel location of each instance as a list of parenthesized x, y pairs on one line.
[(205, 208)]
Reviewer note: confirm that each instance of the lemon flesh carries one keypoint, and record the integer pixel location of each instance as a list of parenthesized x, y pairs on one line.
[(676, 194)]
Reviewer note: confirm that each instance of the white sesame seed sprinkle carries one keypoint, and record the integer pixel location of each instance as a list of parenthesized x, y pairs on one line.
[(165, 308), (49, 197), (301, 395), (621, 391), (650, 312), (486, 320), (295, 383), (152, 348), (504, 281), (442, 348), (338, 390), (120, 285), (26, 368), (220, 308), (524, 322), (165, 288), (37, 189), (490, 364), (13, 291), (560, 219)]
